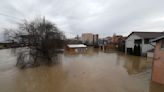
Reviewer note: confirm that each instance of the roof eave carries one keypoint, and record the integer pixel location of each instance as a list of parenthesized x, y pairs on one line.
[(157, 39)]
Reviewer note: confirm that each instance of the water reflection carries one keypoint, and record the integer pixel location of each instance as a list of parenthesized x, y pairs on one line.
[(88, 52), (154, 87), (91, 71), (135, 64), (27, 58)]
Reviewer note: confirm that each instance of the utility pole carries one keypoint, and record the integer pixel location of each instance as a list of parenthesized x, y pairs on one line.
[(44, 20), (44, 28)]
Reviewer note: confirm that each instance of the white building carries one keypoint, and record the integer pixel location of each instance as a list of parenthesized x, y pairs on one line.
[(142, 39), (77, 47)]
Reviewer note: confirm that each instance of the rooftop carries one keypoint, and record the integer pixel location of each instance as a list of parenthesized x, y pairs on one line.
[(147, 34), (76, 46), (158, 38)]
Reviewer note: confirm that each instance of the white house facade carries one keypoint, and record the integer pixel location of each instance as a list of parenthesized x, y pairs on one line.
[(142, 39)]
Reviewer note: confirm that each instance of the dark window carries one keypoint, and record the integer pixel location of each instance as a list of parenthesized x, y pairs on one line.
[(138, 41), (162, 44), (146, 41)]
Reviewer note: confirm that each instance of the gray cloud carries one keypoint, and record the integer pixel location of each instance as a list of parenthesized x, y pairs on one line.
[(74, 17)]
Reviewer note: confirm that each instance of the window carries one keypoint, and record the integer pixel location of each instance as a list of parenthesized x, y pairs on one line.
[(146, 41), (138, 41), (162, 44)]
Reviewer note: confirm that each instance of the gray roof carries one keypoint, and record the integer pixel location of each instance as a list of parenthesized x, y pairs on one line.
[(147, 34), (158, 38), (76, 46)]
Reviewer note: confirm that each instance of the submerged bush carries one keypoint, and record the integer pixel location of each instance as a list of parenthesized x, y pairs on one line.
[(41, 40)]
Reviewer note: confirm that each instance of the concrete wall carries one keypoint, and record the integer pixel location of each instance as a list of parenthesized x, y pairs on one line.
[(150, 54), (158, 65)]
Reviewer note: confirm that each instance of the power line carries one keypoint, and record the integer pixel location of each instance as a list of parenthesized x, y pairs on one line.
[(10, 18), (6, 15)]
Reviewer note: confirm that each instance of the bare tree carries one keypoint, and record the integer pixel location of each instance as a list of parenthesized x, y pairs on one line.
[(41, 39)]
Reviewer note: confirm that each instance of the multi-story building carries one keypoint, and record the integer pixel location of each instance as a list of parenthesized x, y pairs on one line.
[(89, 38), (95, 39)]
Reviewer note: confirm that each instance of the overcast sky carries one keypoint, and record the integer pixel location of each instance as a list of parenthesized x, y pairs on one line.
[(103, 17)]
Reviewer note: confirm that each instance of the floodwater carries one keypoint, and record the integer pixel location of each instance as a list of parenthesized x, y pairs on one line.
[(92, 71)]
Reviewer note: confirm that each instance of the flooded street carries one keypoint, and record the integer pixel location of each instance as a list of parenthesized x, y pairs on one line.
[(93, 71)]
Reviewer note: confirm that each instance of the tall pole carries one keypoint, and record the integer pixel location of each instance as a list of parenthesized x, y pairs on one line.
[(44, 24), (44, 20)]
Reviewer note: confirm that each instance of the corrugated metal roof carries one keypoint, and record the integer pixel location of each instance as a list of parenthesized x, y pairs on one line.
[(76, 46)]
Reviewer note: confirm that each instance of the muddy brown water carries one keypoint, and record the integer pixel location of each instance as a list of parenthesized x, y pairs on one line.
[(92, 71)]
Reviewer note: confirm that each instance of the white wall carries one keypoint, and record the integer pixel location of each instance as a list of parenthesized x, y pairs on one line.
[(130, 41), (147, 47)]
